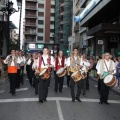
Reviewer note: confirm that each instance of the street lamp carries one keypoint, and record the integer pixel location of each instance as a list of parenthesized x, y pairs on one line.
[(8, 10)]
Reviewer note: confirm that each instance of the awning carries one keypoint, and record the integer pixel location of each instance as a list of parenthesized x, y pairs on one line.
[(104, 28)]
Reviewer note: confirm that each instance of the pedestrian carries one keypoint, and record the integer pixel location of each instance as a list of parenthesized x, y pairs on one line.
[(118, 72), (107, 65), (1, 65), (46, 62), (73, 65), (12, 61), (59, 63)]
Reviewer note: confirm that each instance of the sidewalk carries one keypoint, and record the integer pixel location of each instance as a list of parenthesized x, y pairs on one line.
[(4, 77), (114, 89)]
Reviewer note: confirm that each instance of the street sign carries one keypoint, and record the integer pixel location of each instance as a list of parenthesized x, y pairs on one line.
[(40, 45), (31, 45), (100, 42)]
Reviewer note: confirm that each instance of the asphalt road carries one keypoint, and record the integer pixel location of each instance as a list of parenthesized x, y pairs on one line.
[(24, 105)]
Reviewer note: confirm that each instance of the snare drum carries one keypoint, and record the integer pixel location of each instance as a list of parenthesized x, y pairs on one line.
[(110, 80), (61, 72), (45, 74), (76, 76)]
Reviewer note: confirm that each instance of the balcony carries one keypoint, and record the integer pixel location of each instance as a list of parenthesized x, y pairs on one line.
[(31, 8), (30, 33), (30, 24), (61, 31), (30, 40), (61, 13), (30, 16), (31, 0), (62, 4)]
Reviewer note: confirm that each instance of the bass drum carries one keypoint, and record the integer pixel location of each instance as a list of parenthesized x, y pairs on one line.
[(45, 74), (76, 76), (61, 72), (110, 80)]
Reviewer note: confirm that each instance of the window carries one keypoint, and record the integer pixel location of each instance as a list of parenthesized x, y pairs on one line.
[(51, 38), (39, 38), (40, 5), (52, 14), (40, 30), (40, 22), (52, 6), (52, 30), (40, 13), (51, 22)]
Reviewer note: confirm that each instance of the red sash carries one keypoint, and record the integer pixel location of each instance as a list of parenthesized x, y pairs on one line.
[(57, 64)]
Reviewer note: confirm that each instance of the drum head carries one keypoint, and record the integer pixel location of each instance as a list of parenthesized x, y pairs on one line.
[(60, 70), (42, 72), (108, 78), (74, 73)]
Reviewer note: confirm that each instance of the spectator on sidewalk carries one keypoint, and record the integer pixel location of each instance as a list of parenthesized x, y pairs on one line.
[(118, 72)]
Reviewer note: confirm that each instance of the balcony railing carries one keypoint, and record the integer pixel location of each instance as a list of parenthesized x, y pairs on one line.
[(31, 7), (30, 33), (30, 40), (30, 16), (31, 0), (30, 24)]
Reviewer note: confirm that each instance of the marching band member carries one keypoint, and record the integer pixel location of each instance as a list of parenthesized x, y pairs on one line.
[(73, 64), (12, 62), (18, 69), (99, 80), (84, 69), (36, 73), (22, 58), (45, 62), (106, 65), (59, 63)]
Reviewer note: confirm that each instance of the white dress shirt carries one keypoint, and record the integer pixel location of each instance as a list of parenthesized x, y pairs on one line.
[(84, 64)]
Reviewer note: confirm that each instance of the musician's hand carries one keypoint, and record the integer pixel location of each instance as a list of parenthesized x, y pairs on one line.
[(111, 71), (68, 74), (100, 76)]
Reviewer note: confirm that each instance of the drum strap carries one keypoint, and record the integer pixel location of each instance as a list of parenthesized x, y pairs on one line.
[(106, 66), (43, 61)]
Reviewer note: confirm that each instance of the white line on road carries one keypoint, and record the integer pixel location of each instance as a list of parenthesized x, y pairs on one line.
[(2, 91), (21, 89), (53, 99), (59, 110), (64, 86)]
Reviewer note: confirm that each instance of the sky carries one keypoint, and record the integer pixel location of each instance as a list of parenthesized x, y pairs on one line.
[(16, 16)]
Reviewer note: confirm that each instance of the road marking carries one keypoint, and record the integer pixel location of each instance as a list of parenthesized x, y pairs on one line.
[(54, 99), (27, 79), (59, 110), (96, 86), (2, 91), (21, 89), (64, 86)]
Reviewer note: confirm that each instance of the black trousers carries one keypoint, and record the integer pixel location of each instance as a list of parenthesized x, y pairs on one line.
[(21, 74), (72, 82), (18, 79), (36, 83), (104, 93), (87, 81), (99, 85), (12, 79), (83, 85), (58, 83), (43, 89), (68, 80)]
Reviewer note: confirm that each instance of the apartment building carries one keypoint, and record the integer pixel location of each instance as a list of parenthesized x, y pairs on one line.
[(39, 22)]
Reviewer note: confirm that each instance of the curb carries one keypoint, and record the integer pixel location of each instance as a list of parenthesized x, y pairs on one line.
[(112, 89)]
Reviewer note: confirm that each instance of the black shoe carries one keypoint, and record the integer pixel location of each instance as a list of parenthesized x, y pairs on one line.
[(107, 103), (45, 100), (10, 92), (40, 101), (78, 99), (60, 91), (73, 100), (13, 94), (100, 102)]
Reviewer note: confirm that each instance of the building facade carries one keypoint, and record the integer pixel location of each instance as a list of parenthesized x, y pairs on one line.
[(102, 19), (63, 23), (39, 22)]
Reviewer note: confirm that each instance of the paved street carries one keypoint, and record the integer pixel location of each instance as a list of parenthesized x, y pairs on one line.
[(24, 105)]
